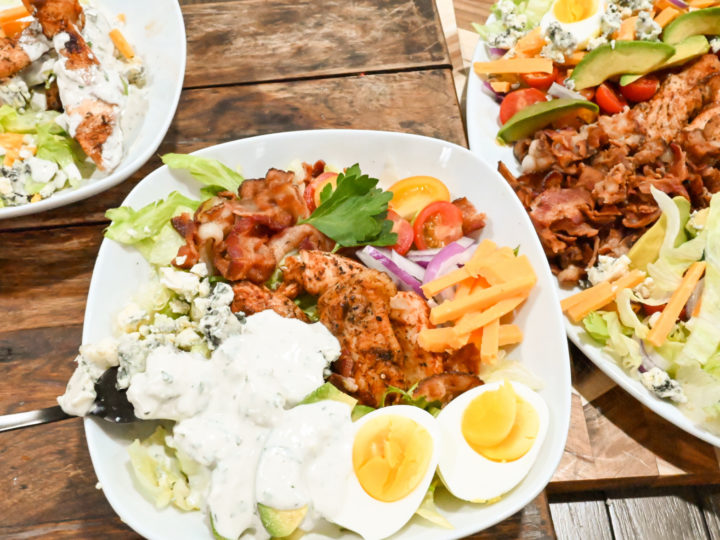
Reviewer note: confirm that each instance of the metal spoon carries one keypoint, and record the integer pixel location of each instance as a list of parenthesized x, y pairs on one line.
[(111, 404)]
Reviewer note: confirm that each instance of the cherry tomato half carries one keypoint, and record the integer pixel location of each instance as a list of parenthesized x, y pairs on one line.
[(649, 310), (412, 194), (517, 100), (541, 81), (642, 89), (588, 93), (608, 100), (315, 187), (437, 225), (404, 231)]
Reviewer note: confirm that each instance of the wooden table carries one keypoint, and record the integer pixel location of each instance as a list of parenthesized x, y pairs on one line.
[(257, 67)]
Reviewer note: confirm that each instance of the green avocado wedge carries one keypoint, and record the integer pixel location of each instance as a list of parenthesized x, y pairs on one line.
[(694, 23), (540, 115), (280, 523), (617, 58), (685, 51), (328, 391)]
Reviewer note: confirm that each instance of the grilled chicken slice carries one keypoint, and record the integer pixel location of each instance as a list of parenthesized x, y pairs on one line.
[(445, 387), (409, 314), (251, 298), (316, 271), (90, 95)]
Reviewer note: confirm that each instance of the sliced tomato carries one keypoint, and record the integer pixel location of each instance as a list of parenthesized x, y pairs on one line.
[(608, 100), (315, 187), (541, 81), (404, 231), (642, 89), (437, 225), (560, 75), (517, 100), (414, 193)]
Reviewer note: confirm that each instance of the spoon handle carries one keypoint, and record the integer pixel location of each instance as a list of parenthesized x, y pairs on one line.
[(31, 418)]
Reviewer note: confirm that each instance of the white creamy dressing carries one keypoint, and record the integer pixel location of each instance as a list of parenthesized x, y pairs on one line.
[(102, 82), (33, 41), (307, 461), (225, 406)]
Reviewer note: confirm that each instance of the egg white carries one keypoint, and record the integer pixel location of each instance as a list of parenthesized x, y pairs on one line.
[(467, 474), (377, 519), (583, 30)]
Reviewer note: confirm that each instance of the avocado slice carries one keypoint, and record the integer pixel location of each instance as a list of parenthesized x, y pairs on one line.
[(647, 248), (359, 411), (280, 523), (539, 115), (686, 50), (694, 23), (328, 391), (617, 58)]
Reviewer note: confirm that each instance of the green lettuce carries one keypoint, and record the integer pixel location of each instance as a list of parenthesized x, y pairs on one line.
[(208, 171), (429, 511), (149, 229), (158, 472), (596, 326), (606, 328), (532, 9), (704, 338)]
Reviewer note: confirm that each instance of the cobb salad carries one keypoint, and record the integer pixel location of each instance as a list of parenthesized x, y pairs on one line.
[(258, 402), (660, 318), (71, 97)]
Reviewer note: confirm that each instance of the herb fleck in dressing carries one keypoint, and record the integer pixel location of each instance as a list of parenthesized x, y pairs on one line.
[(225, 406)]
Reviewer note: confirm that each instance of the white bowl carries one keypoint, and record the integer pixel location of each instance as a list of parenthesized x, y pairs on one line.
[(119, 271), (482, 125), (157, 32)]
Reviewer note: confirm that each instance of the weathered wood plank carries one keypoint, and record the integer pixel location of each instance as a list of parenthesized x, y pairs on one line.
[(421, 102), (532, 523), (48, 481), (45, 277), (471, 11), (581, 517), (658, 514), (35, 366), (709, 497), (255, 40)]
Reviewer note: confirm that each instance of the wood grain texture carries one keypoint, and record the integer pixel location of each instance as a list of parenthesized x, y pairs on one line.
[(255, 40), (421, 102), (532, 523), (657, 514), (581, 517), (709, 497), (48, 486)]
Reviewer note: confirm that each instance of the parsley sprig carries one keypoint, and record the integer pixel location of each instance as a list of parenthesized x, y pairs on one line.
[(353, 214)]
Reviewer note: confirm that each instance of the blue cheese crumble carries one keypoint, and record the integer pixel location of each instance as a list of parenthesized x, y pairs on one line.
[(662, 385), (559, 43), (515, 25), (646, 29)]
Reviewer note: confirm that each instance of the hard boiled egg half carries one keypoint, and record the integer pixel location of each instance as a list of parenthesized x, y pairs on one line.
[(492, 435), (368, 476), (581, 18)]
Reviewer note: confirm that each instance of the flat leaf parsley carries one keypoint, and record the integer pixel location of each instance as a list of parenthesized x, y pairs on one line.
[(353, 214)]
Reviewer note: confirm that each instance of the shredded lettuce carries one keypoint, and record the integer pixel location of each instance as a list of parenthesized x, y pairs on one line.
[(208, 171), (149, 228), (627, 316), (429, 511), (532, 9), (158, 472), (596, 326), (58, 147), (704, 339), (676, 254)]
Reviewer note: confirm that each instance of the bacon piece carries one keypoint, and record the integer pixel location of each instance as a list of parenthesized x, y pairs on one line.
[(472, 220), (445, 387)]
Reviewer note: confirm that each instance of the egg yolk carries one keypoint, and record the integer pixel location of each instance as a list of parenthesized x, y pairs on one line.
[(391, 455), (570, 11), (500, 425)]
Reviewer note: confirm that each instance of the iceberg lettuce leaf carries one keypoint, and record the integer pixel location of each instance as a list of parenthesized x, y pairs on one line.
[(209, 172)]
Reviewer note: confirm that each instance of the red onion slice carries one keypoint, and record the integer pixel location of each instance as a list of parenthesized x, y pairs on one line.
[(449, 258), (424, 256), (679, 3), (380, 259)]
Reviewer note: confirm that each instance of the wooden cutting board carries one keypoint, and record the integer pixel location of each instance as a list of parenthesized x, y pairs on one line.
[(614, 441)]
